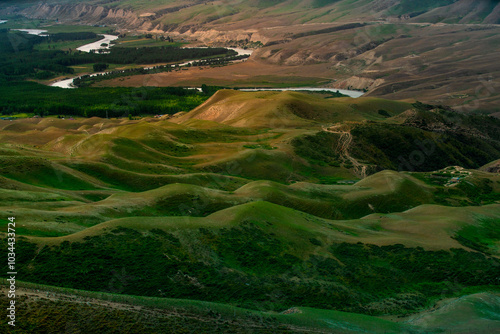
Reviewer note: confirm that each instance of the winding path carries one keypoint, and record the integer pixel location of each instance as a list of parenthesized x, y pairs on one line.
[(343, 145)]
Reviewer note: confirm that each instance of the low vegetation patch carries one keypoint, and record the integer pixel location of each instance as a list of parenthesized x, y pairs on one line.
[(483, 237), (256, 268)]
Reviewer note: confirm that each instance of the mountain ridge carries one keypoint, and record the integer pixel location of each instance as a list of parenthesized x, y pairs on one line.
[(171, 15)]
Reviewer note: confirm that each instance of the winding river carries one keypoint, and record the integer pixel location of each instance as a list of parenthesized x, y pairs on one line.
[(37, 32), (68, 83), (350, 93)]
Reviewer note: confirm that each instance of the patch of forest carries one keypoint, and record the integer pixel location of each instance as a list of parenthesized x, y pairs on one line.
[(101, 102)]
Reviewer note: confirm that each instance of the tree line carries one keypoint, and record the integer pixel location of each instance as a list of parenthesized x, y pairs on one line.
[(100, 102)]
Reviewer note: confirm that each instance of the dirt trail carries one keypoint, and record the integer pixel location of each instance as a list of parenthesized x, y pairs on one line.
[(66, 297), (344, 143)]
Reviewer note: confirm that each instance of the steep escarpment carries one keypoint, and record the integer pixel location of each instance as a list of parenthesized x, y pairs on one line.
[(87, 14), (236, 15)]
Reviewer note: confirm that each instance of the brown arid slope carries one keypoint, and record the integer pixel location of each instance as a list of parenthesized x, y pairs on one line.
[(237, 14), (452, 65)]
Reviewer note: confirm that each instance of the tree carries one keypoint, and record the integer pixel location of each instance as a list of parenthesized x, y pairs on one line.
[(204, 89), (99, 67)]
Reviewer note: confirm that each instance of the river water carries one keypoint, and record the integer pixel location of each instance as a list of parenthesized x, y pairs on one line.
[(350, 93), (68, 83), (97, 45), (38, 32)]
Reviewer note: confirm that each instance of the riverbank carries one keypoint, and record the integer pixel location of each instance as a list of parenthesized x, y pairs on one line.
[(350, 93)]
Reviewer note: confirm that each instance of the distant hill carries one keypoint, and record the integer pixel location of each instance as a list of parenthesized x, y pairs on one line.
[(287, 109), (184, 15)]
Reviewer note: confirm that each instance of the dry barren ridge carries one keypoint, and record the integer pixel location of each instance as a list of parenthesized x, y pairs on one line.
[(440, 52)]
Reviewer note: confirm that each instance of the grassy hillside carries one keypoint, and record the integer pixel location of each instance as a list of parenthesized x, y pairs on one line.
[(288, 109), (253, 253), (415, 140), (253, 212), (290, 222), (238, 137)]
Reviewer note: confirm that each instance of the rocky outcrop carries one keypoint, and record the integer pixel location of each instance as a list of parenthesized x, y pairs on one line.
[(126, 19), (493, 167), (356, 82), (217, 36)]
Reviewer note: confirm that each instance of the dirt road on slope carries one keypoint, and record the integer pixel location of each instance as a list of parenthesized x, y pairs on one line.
[(343, 145)]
